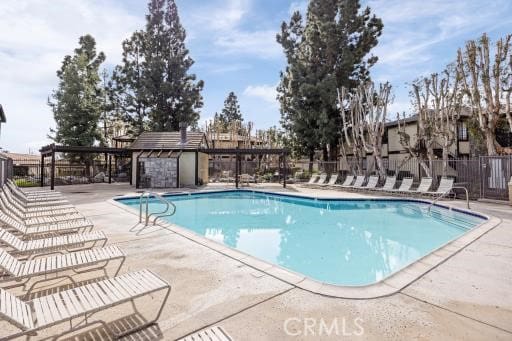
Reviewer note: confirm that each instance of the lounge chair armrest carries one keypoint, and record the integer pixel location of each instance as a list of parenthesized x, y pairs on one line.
[(45, 254)]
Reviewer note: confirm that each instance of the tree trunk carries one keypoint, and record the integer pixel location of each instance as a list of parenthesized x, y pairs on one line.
[(311, 157), (490, 140), (425, 167), (379, 163), (445, 161)]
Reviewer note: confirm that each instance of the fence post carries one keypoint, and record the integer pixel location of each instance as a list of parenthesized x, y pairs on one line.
[(52, 172), (284, 170), (109, 169), (42, 170)]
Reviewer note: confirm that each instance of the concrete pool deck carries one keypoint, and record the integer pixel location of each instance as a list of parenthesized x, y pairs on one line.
[(467, 297)]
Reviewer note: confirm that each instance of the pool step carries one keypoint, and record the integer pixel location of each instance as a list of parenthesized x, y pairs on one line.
[(452, 220), (444, 216)]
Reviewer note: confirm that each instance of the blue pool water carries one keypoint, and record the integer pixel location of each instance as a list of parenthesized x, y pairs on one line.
[(344, 242)]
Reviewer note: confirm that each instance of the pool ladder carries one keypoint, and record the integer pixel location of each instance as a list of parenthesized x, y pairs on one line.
[(165, 213), (448, 192)]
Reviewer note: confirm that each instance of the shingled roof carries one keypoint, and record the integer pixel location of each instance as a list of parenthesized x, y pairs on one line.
[(168, 141)]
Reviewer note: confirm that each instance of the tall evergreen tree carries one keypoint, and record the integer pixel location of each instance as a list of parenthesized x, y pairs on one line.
[(78, 102), (173, 93), (231, 111), (329, 51), (126, 89), (153, 88)]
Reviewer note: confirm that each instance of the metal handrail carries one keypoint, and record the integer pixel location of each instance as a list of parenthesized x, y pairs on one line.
[(164, 213), (447, 192)]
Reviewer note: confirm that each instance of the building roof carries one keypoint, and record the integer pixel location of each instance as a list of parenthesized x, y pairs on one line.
[(169, 141), (465, 112), (17, 157), (2, 114)]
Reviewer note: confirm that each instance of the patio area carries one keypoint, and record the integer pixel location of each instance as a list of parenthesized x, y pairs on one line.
[(467, 297)]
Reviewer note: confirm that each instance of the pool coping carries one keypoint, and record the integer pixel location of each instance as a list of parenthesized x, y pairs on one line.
[(385, 287)]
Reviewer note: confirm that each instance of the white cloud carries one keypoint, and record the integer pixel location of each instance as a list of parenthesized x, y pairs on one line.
[(35, 35), (264, 92), (413, 28), (224, 22)]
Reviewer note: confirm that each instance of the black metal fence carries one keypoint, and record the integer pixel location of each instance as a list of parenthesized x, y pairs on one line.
[(484, 177), (27, 173), (252, 170)]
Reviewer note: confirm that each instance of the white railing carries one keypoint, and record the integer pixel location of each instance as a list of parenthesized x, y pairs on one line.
[(165, 213), (449, 191)]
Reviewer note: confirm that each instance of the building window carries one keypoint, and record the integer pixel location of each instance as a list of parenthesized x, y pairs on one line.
[(462, 131)]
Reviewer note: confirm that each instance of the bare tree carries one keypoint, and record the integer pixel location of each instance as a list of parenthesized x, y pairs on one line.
[(487, 84), (417, 146), (446, 107), (364, 115), (372, 107), (350, 131)]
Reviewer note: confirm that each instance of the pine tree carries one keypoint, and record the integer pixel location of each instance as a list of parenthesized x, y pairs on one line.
[(231, 111), (78, 102), (126, 89), (329, 51), (173, 93)]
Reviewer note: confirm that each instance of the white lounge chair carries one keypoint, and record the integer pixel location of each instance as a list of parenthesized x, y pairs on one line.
[(423, 187), (36, 194), (19, 272), (36, 200), (82, 302), (321, 179), (445, 186), (9, 200), (332, 181), (372, 183), (69, 241), (348, 182), (47, 229), (358, 183), (313, 179), (388, 185), (215, 333), (36, 218), (405, 186), (47, 206)]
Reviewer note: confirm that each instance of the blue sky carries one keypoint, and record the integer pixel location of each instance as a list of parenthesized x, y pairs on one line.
[(232, 42)]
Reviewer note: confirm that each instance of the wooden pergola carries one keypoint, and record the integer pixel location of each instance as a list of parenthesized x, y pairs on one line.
[(50, 150), (238, 152)]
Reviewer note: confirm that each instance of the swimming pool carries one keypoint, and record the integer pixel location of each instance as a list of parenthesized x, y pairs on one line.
[(343, 242)]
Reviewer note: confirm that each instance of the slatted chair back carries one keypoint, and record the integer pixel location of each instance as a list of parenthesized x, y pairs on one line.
[(10, 264), (321, 179), (13, 201), (333, 179), (406, 184), (348, 180), (16, 311), (16, 191), (11, 209), (10, 219), (372, 182), (359, 181), (425, 185), (8, 238), (445, 185), (313, 178), (390, 183)]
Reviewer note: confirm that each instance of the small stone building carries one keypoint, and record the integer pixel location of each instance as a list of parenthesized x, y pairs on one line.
[(169, 159)]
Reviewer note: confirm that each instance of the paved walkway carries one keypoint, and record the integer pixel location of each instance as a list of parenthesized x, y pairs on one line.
[(467, 297)]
